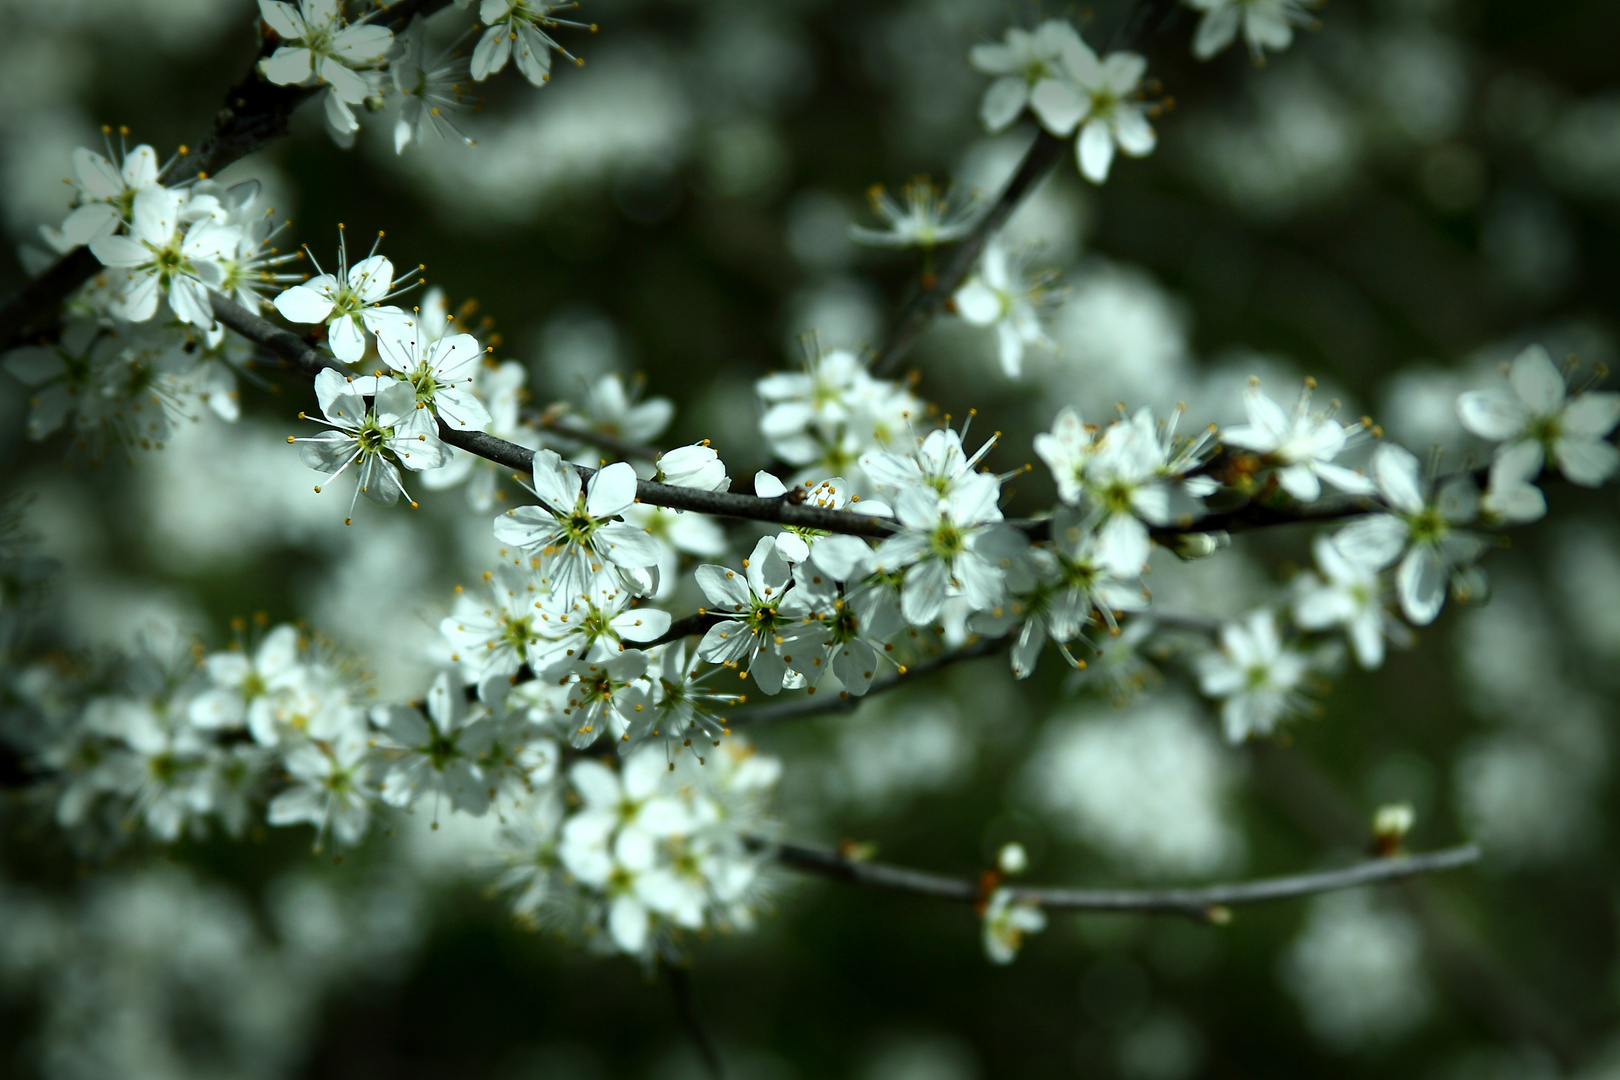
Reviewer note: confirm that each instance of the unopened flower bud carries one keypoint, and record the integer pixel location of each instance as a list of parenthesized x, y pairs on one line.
[(1012, 859), (1390, 825), (1191, 546)]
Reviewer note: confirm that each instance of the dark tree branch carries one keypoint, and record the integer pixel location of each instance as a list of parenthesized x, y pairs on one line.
[(1197, 902)]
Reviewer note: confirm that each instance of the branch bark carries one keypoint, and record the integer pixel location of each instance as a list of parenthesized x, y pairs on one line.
[(1199, 902)]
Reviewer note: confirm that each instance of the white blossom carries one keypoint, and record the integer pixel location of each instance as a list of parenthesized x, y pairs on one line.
[(1256, 674), (1535, 416), (606, 698), (1511, 496), (243, 685), (493, 639), (950, 546), (1266, 24), (1100, 98), (573, 532), (1127, 477), (1006, 923), (611, 408), (161, 258), (437, 755), (379, 437), (252, 269), (1001, 294), (1065, 584), (677, 533), (1421, 522), (840, 556), (519, 26), (1022, 62), (695, 466), (432, 90), (594, 627), (348, 302), (322, 47), (611, 844), (857, 624), (1301, 446), (925, 217), (500, 387), (104, 194), (763, 621), (440, 372), (330, 790), (825, 418), (1348, 595), (684, 705)]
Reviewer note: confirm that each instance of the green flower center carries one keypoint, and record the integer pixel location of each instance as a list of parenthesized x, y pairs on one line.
[(1117, 497), (372, 436), (516, 633), (1547, 430), (426, 385), (441, 750), (1428, 526), (946, 541)]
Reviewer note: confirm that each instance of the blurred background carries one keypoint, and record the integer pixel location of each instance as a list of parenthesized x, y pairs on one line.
[(1394, 206)]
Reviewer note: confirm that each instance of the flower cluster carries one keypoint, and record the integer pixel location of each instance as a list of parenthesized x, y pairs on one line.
[(279, 730), (1057, 76), (358, 62), (651, 852), (824, 419)]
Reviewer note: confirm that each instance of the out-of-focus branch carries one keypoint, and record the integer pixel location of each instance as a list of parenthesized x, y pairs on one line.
[(1038, 160), (1141, 21), (255, 112), (680, 985), (1481, 979), (566, 427), (1201, 903), (828, 703)]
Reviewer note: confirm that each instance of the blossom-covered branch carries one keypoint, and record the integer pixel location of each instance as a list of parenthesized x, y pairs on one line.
[(890, 555), (255, 112)]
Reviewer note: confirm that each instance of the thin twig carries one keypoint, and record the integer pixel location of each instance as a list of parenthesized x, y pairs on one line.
[(924, 304), (568, 428), (680, 984), (817, 705), (255, 113), (1143, 19), (1200, 902)]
